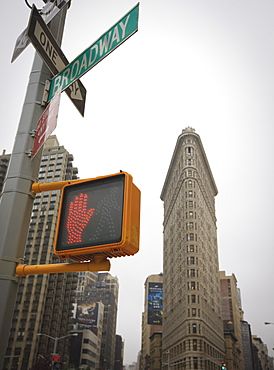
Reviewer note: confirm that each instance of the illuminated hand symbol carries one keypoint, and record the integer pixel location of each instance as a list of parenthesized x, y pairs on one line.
[(78, 217)]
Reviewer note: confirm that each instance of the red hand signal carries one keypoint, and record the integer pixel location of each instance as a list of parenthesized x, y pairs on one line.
[(78, 217)]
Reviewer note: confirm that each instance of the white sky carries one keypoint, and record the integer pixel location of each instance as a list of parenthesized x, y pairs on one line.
[(205, 64)]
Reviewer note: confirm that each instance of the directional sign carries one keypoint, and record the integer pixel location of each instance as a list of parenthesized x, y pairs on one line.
[(108, 42), (49, 11), (47, 47), (46, 123)]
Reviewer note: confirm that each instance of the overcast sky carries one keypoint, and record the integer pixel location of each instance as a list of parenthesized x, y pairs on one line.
[(205, 64)]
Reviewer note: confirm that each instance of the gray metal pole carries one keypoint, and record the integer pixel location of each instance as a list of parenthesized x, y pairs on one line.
[(17, 199), (54, 350)]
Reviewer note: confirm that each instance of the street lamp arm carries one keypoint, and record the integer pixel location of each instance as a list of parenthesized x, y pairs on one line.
[(69, 335), (46, 335), (56, 339)]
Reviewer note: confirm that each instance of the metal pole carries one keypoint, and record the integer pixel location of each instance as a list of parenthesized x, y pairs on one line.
[(54, 350), (98, 264), (17, 199)]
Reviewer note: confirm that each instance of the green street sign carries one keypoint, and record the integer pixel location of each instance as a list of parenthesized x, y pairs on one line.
[(108, 42)]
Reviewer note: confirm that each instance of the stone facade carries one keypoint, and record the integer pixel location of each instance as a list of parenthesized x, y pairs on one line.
[(192, 322), (148, 328)]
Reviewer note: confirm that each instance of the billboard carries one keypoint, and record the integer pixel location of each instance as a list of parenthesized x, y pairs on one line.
[(87, 315), (155, 303)]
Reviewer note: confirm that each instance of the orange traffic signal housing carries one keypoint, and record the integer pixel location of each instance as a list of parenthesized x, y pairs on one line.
[(98, 216)]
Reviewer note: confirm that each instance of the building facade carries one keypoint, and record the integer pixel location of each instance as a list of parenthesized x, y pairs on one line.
[(4, 162), (119, 353), (85, 349), (231, 314), (260, 354), (247, 345), (102, 287), (43, 310), (151, 316), (156, 351), (192, 322)]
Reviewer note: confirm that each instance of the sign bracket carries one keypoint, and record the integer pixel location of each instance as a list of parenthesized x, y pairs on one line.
[(45, 94)]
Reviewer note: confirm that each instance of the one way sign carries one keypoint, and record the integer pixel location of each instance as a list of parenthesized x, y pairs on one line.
[(47, 47)]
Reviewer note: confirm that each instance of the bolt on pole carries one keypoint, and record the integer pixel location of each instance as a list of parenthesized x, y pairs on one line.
[(16, 200)]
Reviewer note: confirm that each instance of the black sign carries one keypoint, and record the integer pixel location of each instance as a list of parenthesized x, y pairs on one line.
[(44, 42), (92, 213)]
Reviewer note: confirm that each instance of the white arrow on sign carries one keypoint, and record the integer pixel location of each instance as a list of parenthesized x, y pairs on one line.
[(49, 11)]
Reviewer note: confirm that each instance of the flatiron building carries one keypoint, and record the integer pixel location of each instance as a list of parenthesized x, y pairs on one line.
[(192, 323)]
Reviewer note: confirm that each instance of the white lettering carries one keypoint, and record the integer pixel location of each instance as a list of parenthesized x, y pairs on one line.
[(74, 71), (83, 64), (65, 77), (91, 61), (42, 136), (115, 37), (57, 84), (123, 26), (104, 43)]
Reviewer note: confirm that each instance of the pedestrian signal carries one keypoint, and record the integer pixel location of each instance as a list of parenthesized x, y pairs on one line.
[(98, 216)]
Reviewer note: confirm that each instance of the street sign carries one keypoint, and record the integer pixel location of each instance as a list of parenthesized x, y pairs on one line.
[(108, 42), (46, 123), (49, 11), (44, 42), (56, 358)]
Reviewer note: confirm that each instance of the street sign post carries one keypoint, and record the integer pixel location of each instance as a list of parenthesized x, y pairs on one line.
[(16, 198), (45, 44), (46, 123), (108, 42), (50, 11)]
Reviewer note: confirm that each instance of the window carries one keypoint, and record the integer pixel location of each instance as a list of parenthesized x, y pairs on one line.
[(191, 248), (191, 260), (193, 312), (194, 328), (190, 203), (190, 193), (193, 298), (192, 285), (192, 273), (190, 214), (191, 236)]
